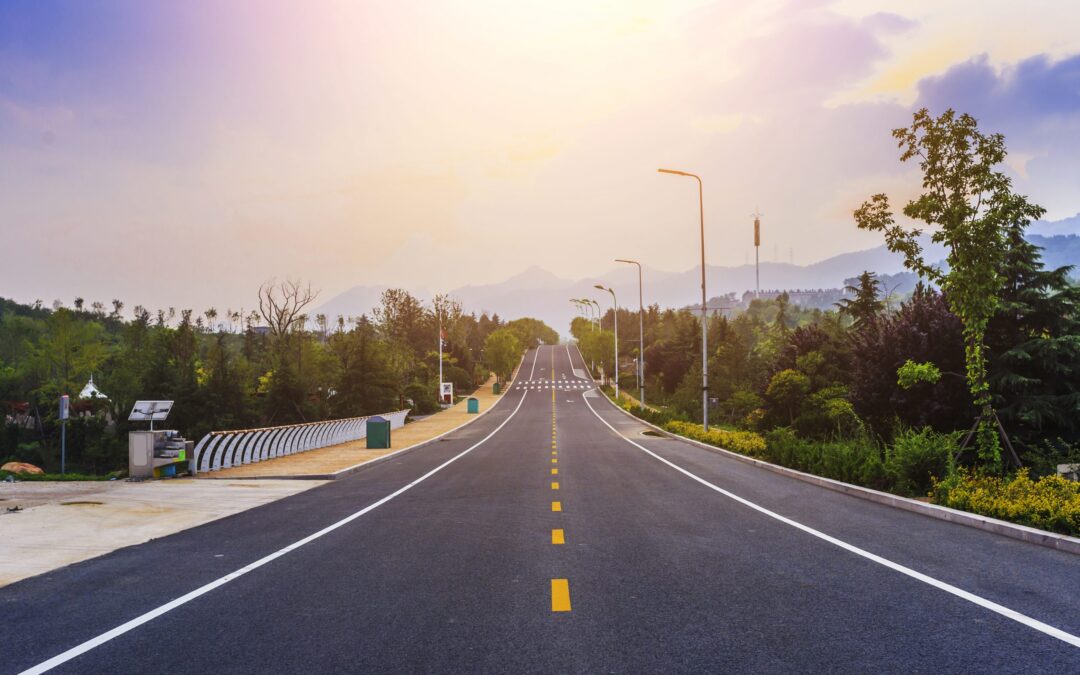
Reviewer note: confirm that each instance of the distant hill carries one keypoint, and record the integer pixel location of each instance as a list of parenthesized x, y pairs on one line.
[(1050, 228), (538, 293)]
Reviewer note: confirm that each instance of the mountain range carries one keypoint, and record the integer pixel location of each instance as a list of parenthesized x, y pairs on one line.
[(538, 293)]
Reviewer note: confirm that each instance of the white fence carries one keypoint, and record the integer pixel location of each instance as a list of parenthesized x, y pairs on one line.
[(224, 449)]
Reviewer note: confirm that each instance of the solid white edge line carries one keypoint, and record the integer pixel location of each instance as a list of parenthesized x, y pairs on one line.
[(92, 643), (948, 588), (533, 370)]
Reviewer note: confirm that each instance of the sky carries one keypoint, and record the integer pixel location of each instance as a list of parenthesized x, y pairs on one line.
[(179, 154)]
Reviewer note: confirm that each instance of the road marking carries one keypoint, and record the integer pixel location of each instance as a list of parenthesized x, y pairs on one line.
[(531, 372), (554, 485), (557, 537), (554, 461), (556, 507), (948, 588), (560, 595), (554, 472), (554, 452), (128, 626)]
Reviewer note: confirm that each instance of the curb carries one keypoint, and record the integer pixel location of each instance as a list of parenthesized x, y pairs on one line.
[(1031, 535)]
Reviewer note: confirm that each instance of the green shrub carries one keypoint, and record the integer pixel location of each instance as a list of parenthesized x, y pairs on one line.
[(659, 417), (1049, 503), (917, 458), (855, 460), (742, 442)]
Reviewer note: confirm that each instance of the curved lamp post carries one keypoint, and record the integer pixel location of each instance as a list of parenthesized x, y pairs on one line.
[(704, 317), (615, 302), (641, 334)]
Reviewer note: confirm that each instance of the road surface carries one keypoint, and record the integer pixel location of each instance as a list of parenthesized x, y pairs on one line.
[(552, 535)]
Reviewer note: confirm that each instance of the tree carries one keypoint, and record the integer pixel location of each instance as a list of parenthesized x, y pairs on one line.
[(971, 204), (1034, 346), (68, 353), (282, 305), (501, 352), (923, 330), (866, 303), (529, 331), (787, 390)]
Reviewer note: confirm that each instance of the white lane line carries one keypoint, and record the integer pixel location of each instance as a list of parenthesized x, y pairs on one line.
[(533, 370), (948, 588), (203, 590)]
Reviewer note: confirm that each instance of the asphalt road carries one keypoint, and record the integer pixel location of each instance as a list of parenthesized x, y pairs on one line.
[(446, 559)]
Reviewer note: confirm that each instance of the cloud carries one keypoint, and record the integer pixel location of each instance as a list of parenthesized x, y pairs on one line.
[(1035, 102), (1035, 88)]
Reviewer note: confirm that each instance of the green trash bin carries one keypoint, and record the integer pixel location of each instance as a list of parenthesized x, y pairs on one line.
[(378, 433), (496, 388), (473, 405)]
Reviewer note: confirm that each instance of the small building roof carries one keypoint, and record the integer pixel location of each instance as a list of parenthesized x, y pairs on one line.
[(91, 390)]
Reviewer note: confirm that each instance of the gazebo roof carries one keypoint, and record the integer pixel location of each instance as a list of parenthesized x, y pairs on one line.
[(91, 390)]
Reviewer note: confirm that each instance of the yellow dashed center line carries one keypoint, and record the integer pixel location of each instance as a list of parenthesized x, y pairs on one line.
[(560, 588), (560, 595)]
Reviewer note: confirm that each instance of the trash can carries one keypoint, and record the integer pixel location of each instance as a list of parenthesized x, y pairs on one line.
[(473, 405), (496, 388), (378, 433)]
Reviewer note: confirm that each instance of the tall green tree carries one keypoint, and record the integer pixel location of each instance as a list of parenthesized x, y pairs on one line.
[(1034, 344), (970, 204), (502, 350), (866, 303)]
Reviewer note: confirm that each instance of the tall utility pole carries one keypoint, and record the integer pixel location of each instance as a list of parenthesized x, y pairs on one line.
[(704, 299), (439, 312), (641, 334), (615, 303), (757, 247)]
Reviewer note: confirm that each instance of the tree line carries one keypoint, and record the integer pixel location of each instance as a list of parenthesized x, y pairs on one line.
[(986, 350), (276, 365)]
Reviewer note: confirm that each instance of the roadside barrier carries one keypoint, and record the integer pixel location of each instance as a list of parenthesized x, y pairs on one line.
[(224, 449)]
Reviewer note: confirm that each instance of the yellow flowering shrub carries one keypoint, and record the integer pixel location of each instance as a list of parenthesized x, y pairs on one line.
[(742, 442), (1049, 503)]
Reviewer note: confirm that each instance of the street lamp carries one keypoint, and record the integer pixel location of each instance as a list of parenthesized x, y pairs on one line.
[(596, 305), (641, 334), (704, 317), (615, 302)]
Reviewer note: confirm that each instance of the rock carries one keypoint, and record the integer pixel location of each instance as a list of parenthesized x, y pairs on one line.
[(20, 467)]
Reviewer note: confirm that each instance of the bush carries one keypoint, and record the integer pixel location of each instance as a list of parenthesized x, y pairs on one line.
[(742, 442), (423, 398), (1049, 503), (917, 458), (650, 415), (856, 460)]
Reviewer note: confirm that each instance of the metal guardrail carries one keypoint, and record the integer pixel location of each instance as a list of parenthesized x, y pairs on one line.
[(224, 449)]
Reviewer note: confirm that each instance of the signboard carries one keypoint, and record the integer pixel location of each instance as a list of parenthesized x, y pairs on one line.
[(150, 411), (446, 393), (757, 232), (64, 407)]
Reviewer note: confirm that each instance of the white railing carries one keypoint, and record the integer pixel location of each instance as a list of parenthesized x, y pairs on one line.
[(224, 449)]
